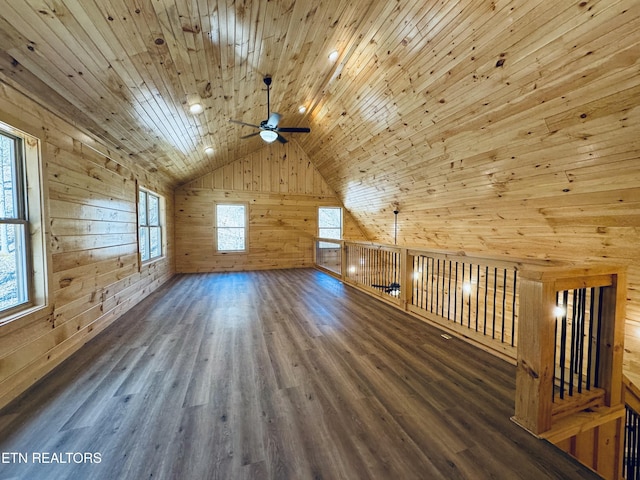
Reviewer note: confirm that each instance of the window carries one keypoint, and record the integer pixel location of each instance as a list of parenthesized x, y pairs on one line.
[(231, 227), (23, 280), (150, 225), (14, 278), (330, 222)]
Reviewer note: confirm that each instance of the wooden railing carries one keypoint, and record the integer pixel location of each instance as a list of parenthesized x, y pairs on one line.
[(471, 297), (328, 255), (474, 297), (631, 462), (569, 370), (375, 268), (562, 326)]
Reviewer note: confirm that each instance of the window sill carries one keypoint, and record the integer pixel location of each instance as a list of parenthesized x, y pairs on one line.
[(33, 311), (148, 263)]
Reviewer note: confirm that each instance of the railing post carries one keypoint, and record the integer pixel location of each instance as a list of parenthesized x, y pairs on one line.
[(343, 260), (406, 279), (314, 252), (612, 346), (536, 344)]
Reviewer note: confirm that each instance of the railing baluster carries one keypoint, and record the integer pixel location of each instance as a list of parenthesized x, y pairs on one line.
[(596, 383), (418, 263), (432, 281), (563, 343), (486, 296), (572, 359), (443, 276), (455, 297), (495, 292), (513, 307), (449, 292), (581, 311), (504, 303), (591, 345), (477, 295), (437, 282), (631, 460), (470, 287)]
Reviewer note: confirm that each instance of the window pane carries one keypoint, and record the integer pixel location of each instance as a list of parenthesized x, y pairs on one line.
[(330, 217), (144, 243), (230, 216), (142, 208), (329, 233), (329, 224), (155, 240), (8, 178), (231, 228), (231, 239), (154, 210), (13, 268)]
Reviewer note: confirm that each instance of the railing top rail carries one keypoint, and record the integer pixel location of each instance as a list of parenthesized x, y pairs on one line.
[(330, 240), (378, 246), (632, 394), (586, 275), (566, 276), (494, 260)]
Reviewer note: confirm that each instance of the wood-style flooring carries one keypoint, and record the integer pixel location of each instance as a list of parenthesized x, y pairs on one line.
[(274, 375)]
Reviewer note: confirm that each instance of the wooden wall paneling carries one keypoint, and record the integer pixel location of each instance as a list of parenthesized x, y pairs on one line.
[(275, 172), (91, 201), (283, 176), (282, 217)]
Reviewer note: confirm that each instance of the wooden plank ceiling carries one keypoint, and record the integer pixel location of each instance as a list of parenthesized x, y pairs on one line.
[(428, 101)]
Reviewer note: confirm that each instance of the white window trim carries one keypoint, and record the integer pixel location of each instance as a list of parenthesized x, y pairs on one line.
[(38, 255), (326, 244), (161, 221), (246, 229)]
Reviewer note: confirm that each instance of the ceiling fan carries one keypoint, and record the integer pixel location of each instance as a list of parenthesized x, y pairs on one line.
[(269, 130)]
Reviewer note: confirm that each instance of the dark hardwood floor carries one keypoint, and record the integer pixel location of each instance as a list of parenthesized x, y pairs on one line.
[(274, 375)]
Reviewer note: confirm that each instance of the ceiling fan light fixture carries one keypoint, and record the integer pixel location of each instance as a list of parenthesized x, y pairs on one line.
[(268, 136), (196, 108)]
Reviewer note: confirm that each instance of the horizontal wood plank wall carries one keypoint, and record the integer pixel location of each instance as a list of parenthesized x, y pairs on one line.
[(283, 190), (90, 196)]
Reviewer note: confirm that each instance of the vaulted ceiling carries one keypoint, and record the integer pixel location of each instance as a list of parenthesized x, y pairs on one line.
[(439, 106)]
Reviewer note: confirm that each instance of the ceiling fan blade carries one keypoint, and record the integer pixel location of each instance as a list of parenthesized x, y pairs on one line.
[(273, 120), (244, 123), (293, 129), (281, 139), (251, 135)]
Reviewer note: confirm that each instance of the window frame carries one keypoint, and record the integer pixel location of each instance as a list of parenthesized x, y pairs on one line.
[(160, 225), (320, 228), (31, 215), (216, 228)]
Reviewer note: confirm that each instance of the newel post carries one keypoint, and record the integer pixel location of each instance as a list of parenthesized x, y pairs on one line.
[(536, 345), (406, 278), (344, 268), (612, 347)]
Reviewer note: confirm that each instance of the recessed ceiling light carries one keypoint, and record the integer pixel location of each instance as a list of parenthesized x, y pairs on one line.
[(302, 109), (196, 108), (333, 56), (209, 150)]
